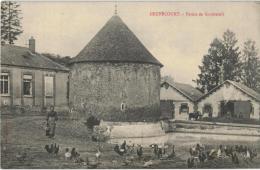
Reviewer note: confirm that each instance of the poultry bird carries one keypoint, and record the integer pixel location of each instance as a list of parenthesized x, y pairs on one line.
[(118, 150), (67, 154), (123, 146), (155, 149), (98, 154), (74, 154), (253, 154), (202, 156), (139, 151), (234, 158), (20, 156), (48, 148), (212, 154), (131, 149), (56, 149), (228, 150)]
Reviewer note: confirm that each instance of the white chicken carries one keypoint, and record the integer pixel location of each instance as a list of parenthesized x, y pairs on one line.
[(98, 154)]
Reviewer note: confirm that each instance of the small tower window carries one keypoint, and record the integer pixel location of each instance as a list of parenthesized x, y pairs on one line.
[(123, 106)]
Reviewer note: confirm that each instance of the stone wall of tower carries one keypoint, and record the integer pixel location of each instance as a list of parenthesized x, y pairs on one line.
[(115, 91)]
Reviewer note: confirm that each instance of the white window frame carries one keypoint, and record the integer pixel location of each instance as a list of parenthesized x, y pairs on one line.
[(28, 78), (46, 94), (8, 84)]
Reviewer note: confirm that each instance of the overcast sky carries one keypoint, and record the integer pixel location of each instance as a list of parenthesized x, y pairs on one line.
[(178, 42)]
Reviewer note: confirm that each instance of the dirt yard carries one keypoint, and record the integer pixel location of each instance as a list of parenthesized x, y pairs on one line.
[(26, 133)]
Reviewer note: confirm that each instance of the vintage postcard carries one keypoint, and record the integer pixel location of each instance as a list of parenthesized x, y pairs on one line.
[(130, 84)]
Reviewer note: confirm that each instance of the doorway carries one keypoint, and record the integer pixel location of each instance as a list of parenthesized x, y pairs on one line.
[(236, 109), (167, 109)]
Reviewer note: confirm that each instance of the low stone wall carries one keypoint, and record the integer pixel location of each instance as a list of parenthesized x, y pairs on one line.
[(214, 128), (188, 132), (134, 129)]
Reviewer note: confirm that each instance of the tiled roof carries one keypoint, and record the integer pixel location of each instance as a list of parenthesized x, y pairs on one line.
[(115, 42), (246, 89), (21, 56), (250, 92), (187, 90)]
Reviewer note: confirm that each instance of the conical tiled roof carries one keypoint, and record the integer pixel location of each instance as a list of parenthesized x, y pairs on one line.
[(115, 42)]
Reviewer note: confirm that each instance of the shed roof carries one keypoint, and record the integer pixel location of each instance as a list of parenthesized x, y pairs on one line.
[(250, 92), (115, 42), (21, 56), (187, 90)]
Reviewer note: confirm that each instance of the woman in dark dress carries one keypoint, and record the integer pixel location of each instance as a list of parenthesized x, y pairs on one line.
[(52, 117)]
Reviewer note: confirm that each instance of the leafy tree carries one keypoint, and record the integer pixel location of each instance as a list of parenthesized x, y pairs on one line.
[(59, 59), (251, 67), (210, 70), (168, 78), (258, 75), (221, 63), (231, 54), (10, 22)]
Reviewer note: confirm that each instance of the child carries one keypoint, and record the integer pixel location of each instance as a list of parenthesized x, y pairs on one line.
[(67, 154)]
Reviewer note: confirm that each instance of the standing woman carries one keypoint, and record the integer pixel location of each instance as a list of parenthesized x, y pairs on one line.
[(52, 117)]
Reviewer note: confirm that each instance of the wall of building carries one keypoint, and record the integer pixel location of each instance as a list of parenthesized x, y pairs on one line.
[(228, 92), (177, 99), (101, 89), (38, 99)]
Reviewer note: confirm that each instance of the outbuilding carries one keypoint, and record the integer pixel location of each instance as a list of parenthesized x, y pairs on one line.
[(178, 99), (231, 99)]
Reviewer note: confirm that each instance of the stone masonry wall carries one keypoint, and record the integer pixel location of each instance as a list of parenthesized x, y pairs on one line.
[(101, 89)]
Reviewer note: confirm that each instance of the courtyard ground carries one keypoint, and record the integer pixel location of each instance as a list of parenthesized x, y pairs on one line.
[(26, 132)]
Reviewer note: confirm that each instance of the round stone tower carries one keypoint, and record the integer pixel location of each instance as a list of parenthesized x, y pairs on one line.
[(115, 77)]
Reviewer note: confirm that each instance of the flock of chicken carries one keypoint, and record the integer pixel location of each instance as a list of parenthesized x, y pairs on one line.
[(159, 152), (200, 154), (74, 156)]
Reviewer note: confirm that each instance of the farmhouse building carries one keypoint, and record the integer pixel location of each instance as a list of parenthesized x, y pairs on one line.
[(231, 99), (180, 98), (31, 79), (115, 77)]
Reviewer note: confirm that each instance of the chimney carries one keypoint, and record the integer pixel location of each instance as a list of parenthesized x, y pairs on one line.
[(32, 44)]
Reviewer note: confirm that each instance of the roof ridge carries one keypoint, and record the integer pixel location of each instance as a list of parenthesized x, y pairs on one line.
[(13, 45), (234, 84), (13, 55), (180, 90), (53, 61)]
